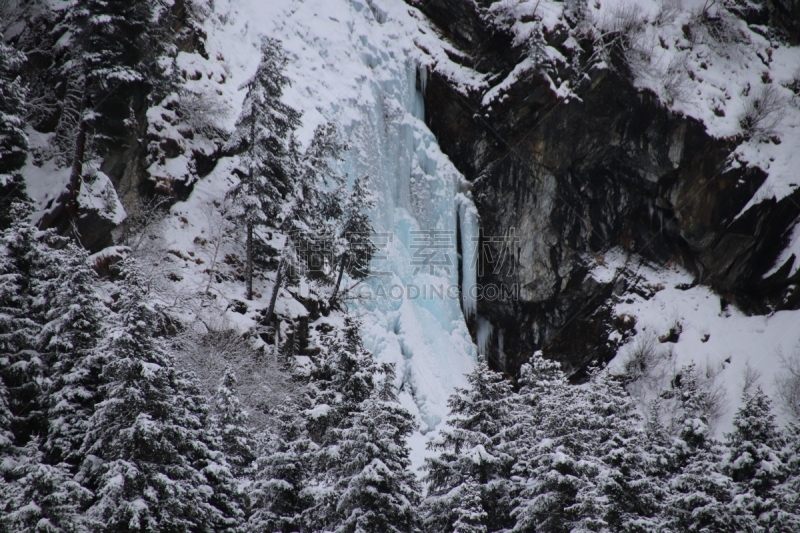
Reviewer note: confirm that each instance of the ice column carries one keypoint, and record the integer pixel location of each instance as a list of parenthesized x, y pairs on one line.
[(469, 228)]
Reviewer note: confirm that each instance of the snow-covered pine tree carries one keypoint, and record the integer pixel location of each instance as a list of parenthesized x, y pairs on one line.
[(359, 471), (580, 456), (13, 141), (344, 380), (8, 453), (472, 452), (317, 204), (623, 497), (787, 493), (22, 259), (375, 488), (44, 497), (150, 459), (698, 493), (355, 247), (542, 384), (278, 495), (469, 516), (755, 463), (73, 320), (267, 152), (547, 474), (110, 55), (229, 422)]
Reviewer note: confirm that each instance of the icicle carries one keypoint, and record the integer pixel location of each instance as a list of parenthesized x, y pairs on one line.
[(484, 335), (422, 74), (500, 351), (469, 227)]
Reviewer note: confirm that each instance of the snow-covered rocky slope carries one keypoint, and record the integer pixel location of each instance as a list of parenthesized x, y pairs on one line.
[(683, 323)]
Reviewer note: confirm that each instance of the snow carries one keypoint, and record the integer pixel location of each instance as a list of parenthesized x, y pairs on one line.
[(790, 253), (43, 183), (319, 411), (101, 196)]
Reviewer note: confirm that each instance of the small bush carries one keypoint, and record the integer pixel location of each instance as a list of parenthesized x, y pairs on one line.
[(623, 35), (788, 386), (202, 112), (667, 12), (716, 28), (648, 365), (762, 112), (675, 80)]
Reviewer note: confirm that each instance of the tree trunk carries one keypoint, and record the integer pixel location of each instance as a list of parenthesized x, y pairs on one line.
[(67, 203), (274, 297), (212, 269), (249, 273), (249, 266), (338, 280)]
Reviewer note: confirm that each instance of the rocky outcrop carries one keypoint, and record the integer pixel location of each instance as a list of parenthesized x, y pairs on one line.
[(573, 178)]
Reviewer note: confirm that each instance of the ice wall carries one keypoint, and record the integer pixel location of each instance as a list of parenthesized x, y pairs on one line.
[(412, 313), (355, 63)]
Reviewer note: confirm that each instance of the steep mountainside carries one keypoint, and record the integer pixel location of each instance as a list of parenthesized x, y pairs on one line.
[(419, 266)]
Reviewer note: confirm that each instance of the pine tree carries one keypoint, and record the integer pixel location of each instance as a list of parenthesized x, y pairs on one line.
[(264, 140), (469, 516), (376, 490), (229, 421), (787, 494), (22, 371), (581, 462), (344, 380), (548, 475), (32, 491), (151, 462), (623, 497), (355, 247), (472, 452), (72, 325), (13, 141), (8, 454), (698, 491), (44, 497), (755, 462), (110, 59), (359, 471), (278, 496), (317, 206), (16, 334)]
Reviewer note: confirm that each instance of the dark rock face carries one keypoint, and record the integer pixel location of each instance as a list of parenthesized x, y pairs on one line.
[(574, 179), (785, 14)]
